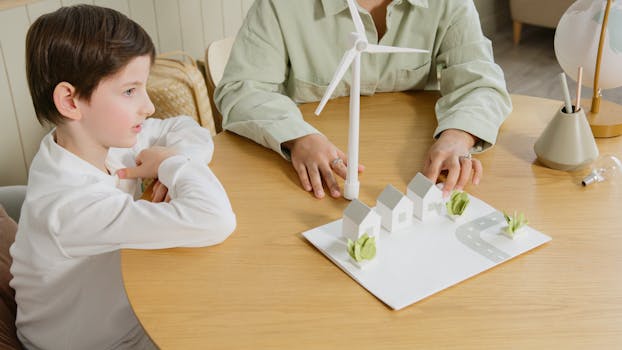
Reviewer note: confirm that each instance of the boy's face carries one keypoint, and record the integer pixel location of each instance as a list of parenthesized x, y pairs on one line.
[(119, 104)]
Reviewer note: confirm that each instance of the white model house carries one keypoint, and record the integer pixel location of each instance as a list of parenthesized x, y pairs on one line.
[(359, 219), (426, 197), (395, 209)]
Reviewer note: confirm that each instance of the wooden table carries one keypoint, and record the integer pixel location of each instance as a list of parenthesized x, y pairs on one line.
[(267, 288)]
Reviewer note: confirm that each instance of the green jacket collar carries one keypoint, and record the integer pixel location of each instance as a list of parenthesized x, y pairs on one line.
[(333, 7)]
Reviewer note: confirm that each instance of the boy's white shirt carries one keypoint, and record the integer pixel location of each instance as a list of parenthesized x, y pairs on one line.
[(75, 219)]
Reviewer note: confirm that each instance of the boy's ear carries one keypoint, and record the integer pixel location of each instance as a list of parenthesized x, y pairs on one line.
[(65, 101)]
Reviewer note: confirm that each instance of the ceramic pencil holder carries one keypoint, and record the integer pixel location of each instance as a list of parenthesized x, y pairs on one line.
[(567, 142)]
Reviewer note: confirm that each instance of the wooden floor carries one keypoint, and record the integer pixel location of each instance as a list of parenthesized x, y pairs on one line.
[(532, 69)]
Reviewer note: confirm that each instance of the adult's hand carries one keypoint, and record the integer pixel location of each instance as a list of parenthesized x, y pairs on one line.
[(315, 158), (451, 153)]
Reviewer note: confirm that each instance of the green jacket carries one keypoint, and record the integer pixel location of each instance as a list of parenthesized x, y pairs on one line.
[(287, 51)]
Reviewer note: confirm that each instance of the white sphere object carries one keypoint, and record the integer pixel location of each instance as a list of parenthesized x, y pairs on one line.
[(577, 37)]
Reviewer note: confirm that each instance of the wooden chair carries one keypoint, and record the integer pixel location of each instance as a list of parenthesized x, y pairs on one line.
[(177, 86), (216, 57)]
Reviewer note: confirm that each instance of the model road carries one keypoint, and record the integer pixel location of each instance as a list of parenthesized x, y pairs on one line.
[(469, 235)]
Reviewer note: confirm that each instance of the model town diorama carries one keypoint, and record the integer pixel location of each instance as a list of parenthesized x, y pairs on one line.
[(409, 247), (361, 224)]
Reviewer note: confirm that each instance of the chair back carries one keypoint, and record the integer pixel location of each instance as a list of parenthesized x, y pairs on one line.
[(177, 87), (216, 57)]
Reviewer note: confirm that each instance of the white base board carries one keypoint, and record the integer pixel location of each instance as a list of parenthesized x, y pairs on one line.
[(425, 258)]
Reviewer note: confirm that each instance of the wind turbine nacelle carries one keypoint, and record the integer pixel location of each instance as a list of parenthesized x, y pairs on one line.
[(356, 41)]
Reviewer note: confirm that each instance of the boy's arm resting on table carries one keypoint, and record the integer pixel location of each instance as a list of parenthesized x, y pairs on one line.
[(474, 94), (251, 95), (107, 219), (182, 134)]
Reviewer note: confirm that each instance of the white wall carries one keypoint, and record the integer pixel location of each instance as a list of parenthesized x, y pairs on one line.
[(203, 22)]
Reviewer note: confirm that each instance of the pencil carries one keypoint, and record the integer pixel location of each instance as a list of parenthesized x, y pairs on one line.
[(562, 77), (579, 81)]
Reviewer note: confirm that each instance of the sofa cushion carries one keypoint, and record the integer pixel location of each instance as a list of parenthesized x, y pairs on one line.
[(539, 13), (12, 197), (8, 308)]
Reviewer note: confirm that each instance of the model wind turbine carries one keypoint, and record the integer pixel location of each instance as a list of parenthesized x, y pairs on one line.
[(360, 44)]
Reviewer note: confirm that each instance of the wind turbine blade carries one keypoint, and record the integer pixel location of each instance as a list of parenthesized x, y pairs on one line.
[(346, 60), (390, 49), (358, 23)]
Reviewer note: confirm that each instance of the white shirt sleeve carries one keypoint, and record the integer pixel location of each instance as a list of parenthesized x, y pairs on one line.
[(183, 134), (99, 218)]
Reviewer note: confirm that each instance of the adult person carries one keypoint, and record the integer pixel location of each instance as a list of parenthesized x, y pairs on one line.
[(287, 51)]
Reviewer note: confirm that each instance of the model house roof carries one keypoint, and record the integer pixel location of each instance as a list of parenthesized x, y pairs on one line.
[(420, 185), (357, 211), (390, 197)]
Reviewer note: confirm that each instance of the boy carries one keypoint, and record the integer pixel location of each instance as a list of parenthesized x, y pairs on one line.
[(87, 68)]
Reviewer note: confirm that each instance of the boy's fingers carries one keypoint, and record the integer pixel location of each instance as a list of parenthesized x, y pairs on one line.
[(139, 157), (130, 173), (122, 173), (159, 192)]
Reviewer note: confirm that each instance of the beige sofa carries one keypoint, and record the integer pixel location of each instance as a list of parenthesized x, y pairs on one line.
[(543, 13)]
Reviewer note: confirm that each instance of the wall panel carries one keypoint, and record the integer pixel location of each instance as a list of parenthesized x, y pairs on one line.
[(169, 27), (119, 5), (13, 48), (12, 163), (192, 35), (143, 12), (42, 7), (213, 20), (75, 2)]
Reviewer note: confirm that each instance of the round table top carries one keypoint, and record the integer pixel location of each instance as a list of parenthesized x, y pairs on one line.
[(266, 287)]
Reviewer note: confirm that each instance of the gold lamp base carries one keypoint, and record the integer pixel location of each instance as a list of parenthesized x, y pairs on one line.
[(606, 123)]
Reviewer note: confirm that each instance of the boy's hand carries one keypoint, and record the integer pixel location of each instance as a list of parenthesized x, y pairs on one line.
[(148, 161), (160, 193)]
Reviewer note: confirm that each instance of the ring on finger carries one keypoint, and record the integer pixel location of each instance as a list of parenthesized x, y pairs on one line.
[(466, 156), (336, 161)]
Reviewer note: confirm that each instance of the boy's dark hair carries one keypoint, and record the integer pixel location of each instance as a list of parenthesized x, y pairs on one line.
[(80, 45)]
